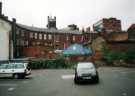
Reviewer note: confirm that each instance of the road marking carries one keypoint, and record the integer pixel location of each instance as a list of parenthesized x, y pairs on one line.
[(11, 89), (25, 82), (71, 76), (8, 84), (124, 94), (124, 72)]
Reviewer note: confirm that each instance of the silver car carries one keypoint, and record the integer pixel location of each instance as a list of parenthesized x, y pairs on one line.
[(86, 71)]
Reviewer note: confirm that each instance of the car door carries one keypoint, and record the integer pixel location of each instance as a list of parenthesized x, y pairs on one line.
[(19, 68), (2, 68), (9, 68)]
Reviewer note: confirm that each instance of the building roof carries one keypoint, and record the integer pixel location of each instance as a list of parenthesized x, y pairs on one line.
[(37, 29), (132, 27), (68, 30), (32, 28), (50, 30)]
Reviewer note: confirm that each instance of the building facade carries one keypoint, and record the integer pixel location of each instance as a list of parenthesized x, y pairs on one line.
[(28, 41), (108, 25), (5, 30), (131, 32)]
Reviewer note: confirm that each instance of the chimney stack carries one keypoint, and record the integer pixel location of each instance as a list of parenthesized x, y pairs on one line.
[(13, 20), (0, 8)]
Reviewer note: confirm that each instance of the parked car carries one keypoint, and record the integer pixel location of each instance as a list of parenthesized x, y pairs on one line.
[(17, 70), (86, 71)]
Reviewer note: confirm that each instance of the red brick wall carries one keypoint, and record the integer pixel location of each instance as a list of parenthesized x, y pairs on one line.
[(38, 52), (118, 36), (120, 47), (78, 38), (112, 24), (33, 51)]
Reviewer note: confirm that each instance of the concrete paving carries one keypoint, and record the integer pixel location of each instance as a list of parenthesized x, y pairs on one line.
[(114, 81)]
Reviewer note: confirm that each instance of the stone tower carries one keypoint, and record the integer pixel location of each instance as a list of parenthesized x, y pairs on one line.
[(51, 22)]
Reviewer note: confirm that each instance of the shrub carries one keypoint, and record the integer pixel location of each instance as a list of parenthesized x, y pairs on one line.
[(112, 56), (130, 55), (57, 63)]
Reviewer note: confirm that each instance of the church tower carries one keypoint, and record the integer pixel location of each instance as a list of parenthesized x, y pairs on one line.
[(51, 22)]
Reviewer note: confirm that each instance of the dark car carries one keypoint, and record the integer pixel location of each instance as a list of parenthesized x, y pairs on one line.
[(86, 71)]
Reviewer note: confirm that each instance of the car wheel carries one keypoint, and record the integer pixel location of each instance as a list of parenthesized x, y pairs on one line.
[(96, 79), (76, 80), (21, 76)]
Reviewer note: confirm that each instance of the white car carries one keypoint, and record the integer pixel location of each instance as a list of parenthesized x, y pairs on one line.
[(86, 71), (18, 70)]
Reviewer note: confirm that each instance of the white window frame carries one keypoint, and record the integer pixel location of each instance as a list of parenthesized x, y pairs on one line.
[(73, 38), (67, 37), (45, 35), (49, 36), (31, 35), (35, 36), (40, 36)]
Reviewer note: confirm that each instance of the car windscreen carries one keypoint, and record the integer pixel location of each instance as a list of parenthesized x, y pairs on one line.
[(19, 66), (6, 66), (3, 66)]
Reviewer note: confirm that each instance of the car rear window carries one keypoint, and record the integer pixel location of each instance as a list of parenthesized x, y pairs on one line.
[(85, 65)]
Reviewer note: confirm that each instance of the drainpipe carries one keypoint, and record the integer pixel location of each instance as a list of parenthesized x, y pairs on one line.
[(13, 33), (0, 8)]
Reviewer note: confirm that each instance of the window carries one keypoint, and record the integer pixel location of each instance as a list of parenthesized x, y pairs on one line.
[(44, 36), (82, 38), (33, 43), (31, 35), (17, 32), (18, 42), (38, 43), (45, 44), (67, 37), (40, 36), (73, 38), (57, 38), (35, 35), (22, 42), (26, 43), (22, 33), (49, 36)]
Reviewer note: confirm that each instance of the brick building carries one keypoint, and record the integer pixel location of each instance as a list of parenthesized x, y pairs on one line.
[(111, 34), (18, 40), (42, 42), (108, 25), (131, 32), (29, 41)]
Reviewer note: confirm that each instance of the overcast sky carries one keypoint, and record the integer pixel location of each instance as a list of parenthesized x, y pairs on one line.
[(81, 12)]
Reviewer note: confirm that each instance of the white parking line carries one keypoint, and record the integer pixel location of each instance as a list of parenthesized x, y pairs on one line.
[(124, 72), (25, 82), (11, 89), (71, 76), (8, 84), (124, 94)]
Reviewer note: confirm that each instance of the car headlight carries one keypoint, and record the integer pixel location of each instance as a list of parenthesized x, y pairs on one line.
[(94, 73)]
